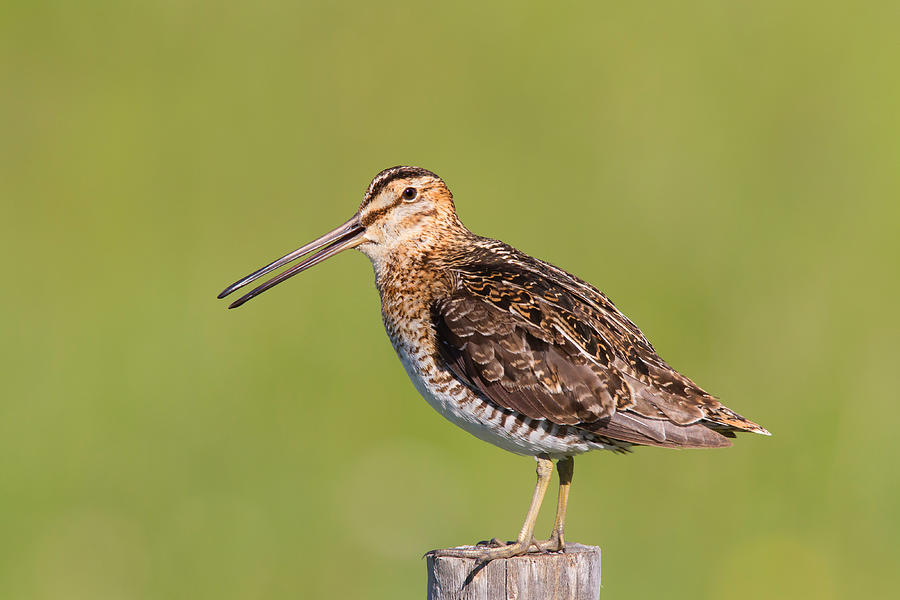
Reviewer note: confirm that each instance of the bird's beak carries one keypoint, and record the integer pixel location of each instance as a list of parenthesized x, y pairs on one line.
[(348, 235)]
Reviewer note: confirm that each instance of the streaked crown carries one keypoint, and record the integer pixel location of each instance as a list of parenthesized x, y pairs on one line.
[(404, 205)]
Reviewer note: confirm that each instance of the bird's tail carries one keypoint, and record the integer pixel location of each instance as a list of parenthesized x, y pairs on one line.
[(726, 419)]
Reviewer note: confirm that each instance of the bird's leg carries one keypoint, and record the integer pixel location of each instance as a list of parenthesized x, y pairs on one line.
[(557, 541), (525, 540)]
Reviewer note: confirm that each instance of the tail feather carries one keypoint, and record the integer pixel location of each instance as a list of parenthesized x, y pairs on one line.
[(725, 418), (630, 427)]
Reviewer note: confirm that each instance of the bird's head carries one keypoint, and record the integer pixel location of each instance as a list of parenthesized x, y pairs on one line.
[(404, 208)]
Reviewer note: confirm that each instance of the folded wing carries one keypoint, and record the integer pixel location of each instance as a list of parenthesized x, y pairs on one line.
[(555, 348)]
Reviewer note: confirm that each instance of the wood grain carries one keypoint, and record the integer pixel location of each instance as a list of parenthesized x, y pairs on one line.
[(570, 575)]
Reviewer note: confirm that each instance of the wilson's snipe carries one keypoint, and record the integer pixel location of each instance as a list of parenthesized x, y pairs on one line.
[(512, 349)]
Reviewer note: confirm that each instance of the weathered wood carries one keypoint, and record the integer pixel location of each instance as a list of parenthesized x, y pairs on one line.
[(570, 575)]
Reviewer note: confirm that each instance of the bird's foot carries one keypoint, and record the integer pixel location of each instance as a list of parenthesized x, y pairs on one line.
[(556, 543), (491, 550)]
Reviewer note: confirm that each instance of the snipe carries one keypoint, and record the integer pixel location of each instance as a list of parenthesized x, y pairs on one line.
[(512, 349)]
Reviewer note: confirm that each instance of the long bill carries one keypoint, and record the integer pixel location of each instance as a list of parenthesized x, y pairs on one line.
[(348, 235)]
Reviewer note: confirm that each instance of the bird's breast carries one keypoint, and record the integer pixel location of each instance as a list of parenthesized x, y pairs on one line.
[(407, 293), (407, 322)]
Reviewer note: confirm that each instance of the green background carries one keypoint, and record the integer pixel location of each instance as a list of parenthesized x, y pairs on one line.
[(726, 171)]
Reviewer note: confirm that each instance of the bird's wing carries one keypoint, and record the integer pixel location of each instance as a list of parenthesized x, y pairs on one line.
[(519, 365), (549, 346)]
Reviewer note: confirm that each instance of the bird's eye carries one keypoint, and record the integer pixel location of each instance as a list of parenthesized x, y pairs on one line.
[(410, 194)]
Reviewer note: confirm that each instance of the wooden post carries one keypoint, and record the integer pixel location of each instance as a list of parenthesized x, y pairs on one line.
[(570, 575)]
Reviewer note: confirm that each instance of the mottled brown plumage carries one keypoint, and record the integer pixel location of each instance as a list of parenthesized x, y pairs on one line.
[(539, 341), (512, 349)]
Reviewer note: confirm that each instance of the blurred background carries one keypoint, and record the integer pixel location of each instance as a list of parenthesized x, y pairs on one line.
[(727, 173)]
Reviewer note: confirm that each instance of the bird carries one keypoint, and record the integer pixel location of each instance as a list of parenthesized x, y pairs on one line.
[(512, 349)]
